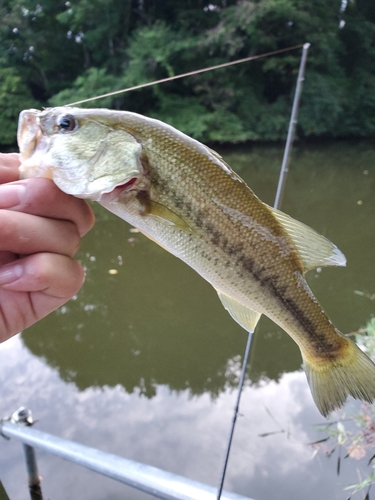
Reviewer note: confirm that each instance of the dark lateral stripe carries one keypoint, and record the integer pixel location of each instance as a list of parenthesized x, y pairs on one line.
[(235, 251)]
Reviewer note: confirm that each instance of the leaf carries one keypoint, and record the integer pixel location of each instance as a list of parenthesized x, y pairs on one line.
[(363, 484), (356, 451)]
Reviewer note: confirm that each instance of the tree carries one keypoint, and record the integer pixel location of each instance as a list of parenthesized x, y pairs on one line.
[(14, 95), (64, 52)]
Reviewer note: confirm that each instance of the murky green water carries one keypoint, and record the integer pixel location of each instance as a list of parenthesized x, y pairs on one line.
[(143, 363)]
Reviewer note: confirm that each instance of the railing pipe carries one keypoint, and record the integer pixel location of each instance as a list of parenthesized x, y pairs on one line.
[(156, 482)]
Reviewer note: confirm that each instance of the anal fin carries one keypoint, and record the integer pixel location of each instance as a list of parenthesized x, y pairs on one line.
[(243, 315)]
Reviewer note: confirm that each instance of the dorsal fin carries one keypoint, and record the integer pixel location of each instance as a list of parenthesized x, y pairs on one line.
[(313, 249), (246, 317)]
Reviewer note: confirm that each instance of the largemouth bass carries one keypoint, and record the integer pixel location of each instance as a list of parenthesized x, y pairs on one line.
[(182, 195)]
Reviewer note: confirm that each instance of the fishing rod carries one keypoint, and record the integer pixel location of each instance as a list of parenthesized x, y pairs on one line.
[(282, 179), (235, 413), (292, 127), (277, 202)]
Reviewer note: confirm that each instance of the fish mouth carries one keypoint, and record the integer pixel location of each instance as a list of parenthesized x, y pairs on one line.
[(28, 132), (33, 146)]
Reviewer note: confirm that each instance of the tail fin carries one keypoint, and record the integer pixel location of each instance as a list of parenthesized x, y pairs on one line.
[(332, 381)]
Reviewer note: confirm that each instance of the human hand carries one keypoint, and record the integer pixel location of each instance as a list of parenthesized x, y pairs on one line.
[(40, 231)]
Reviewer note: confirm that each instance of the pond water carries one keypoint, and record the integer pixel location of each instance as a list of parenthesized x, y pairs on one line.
[(144, 363)]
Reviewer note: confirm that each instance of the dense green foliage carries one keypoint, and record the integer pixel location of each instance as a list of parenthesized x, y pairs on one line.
[(59, 52)]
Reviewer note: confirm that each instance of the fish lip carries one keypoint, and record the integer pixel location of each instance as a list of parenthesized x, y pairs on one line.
[(28, 132), (127, 185), (110, 193), (33, 146)]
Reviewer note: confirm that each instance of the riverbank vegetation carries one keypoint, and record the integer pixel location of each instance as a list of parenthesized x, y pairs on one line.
[(353, 435), (59, 52)]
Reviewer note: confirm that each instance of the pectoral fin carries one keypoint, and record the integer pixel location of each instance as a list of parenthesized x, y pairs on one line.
[(168, 217), (246, 317), (162, 213), (313, 249)]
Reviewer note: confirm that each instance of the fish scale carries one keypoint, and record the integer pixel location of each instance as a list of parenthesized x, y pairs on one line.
[(243, 238), (183, 196)]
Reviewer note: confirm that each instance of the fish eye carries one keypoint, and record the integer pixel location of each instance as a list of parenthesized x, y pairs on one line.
[(67, 123)]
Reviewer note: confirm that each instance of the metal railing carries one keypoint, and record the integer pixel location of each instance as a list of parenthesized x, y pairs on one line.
[(146, 478)]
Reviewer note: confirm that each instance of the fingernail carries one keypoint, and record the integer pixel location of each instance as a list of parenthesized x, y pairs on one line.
[(10, 273), (11, 195)]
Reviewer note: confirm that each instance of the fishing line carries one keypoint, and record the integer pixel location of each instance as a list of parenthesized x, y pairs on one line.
[(183, 75)]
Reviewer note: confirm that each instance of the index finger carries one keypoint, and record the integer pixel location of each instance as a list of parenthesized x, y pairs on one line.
[(9, 163), (41, 197)]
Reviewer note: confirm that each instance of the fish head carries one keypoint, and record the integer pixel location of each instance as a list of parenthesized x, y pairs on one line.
[(86, 153)]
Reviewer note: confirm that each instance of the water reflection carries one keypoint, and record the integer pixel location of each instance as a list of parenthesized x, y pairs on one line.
[(157, 322), (173, 431), (143, 327)]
